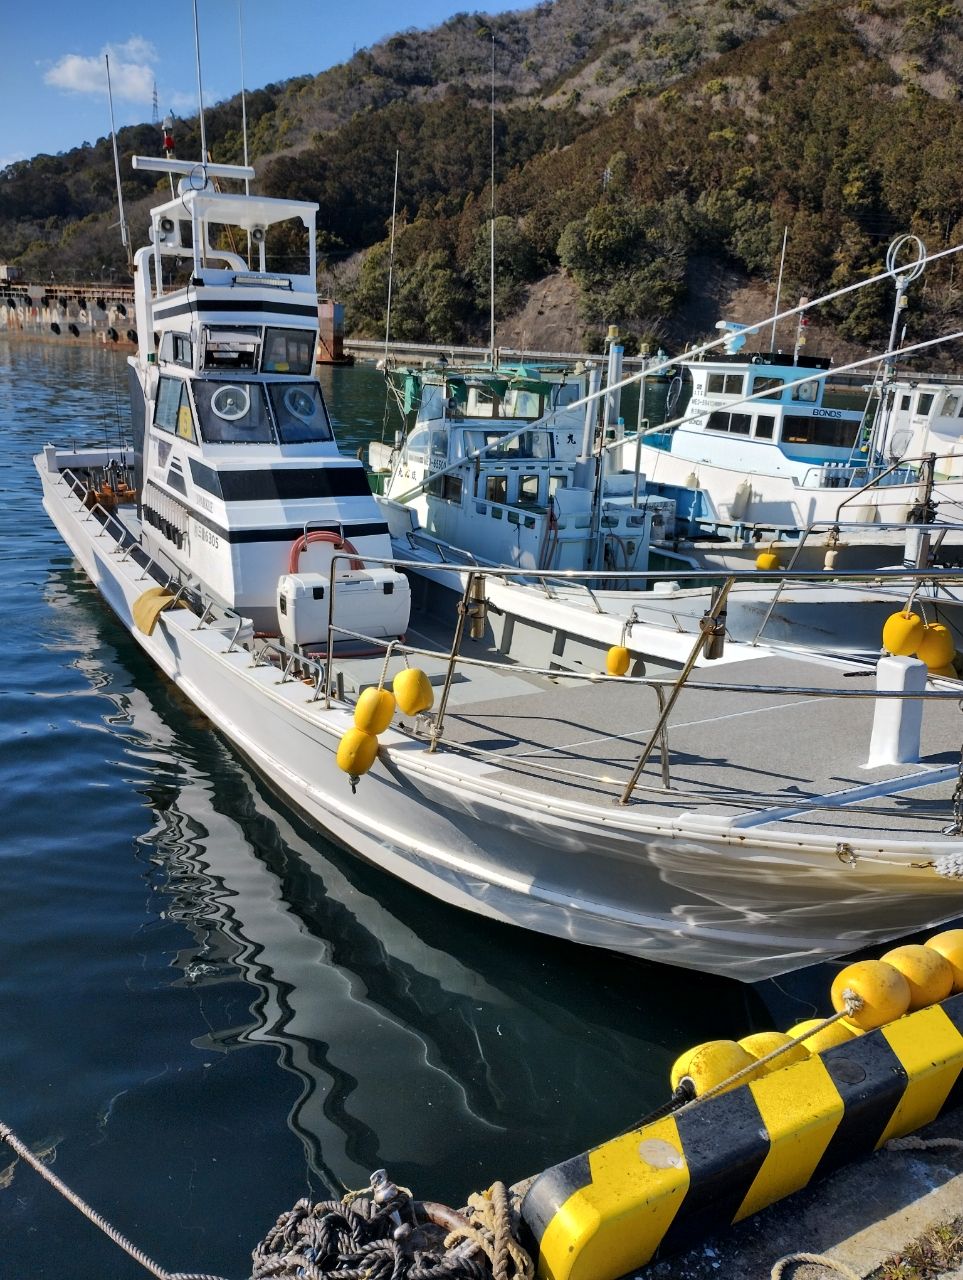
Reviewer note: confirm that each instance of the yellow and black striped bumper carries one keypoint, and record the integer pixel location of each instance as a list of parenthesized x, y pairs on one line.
[(661, 1187)]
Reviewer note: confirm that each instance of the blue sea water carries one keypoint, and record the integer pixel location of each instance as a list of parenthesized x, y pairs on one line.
[(206, 1010)]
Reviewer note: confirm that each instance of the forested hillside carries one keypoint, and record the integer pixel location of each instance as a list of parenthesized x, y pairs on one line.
[(643, 147)]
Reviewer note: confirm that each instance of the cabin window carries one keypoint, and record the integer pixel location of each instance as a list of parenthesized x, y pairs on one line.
[(231, 348), (950, 406), (496, 488), (771, 386), (765, 426), (299, 412), (730, 384), (522, 404), (482, 403), (451, 488), (176, 348), (904, 404), (529, 444), (807, 391), (172, 410), (564, 393), (418, 443), (288, 351), (737, 423), (925, 402), (439, 446), (831, 433), (233, 413), (528, 490), (555, 483)]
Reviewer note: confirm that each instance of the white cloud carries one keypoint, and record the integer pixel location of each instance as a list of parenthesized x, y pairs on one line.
[(131, 71)]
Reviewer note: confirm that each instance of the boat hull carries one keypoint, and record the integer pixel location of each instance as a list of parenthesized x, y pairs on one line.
[(679, 890)]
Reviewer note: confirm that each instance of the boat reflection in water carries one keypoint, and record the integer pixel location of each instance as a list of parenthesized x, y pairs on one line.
[(448, 1048)]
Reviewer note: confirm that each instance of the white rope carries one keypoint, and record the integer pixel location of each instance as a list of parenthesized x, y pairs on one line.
[(815, 1260)]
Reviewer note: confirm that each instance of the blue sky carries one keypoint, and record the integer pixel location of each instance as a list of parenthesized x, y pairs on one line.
[(53, 91)]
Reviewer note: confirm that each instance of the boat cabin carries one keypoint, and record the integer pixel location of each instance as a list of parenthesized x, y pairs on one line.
[(235, 457), (922, 416)]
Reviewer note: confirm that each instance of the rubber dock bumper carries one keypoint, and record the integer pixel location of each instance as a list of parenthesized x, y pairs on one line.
[(660, 1187)]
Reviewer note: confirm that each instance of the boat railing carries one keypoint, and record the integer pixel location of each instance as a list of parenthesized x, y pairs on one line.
[(471, 610)]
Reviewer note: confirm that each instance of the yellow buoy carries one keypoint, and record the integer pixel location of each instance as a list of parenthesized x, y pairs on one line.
[(767, 561), (413, 691), (357, 751), (884, 991), (835, 1033), (902, 632), (373, 710), (949, 944), (709, 1064), (936, 647), (762, 1042), (929, 974), (617, 660)]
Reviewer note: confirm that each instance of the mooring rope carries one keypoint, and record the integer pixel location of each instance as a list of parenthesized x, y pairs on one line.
[(23, 1151), (814, 1260), (384, 1234)]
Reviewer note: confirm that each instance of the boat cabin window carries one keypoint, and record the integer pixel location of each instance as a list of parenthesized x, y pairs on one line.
[(528, 444), (831, 433), (176, 348), (235, 348), (950, 405), (522, 404), (904, 404), (730, 384), (772, 387), (418, 442), (288, 351), (172, 409), (299, 412), (925, 402), (482, 403), (233, 413), (496, 488), (808, 391), (439, 446), (447, 487), (555, 483), (564, 393), (765, 425), (736, 424), (528, 490)]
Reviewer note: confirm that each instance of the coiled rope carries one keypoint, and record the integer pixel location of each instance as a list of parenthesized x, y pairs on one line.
[(384, 1234), (24, 1152)]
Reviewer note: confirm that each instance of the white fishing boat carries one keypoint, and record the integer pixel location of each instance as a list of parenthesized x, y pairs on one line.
[(758, 810)]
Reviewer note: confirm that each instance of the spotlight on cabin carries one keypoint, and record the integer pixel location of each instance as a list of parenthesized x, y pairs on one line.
[(257, 235)]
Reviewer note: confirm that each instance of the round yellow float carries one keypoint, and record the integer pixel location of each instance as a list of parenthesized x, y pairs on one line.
[(929, 974), (884, 991), (826, 1038), (762, 1042), (935, 646), (768, 562), (413, 691), (373, 710), (617, 660), (707, 1065), (949, 944), (357, 752), (902, 633)]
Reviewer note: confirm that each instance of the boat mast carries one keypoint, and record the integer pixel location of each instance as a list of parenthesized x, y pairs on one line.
[(124, 237), (200, 91), (782, 263), (391, 257), (240, 37), (492, 270)]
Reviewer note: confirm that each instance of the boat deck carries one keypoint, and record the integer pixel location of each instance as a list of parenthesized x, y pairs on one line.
[(738, 759)]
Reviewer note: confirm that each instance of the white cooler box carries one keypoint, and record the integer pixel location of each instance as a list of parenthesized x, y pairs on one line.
[(374, 602)]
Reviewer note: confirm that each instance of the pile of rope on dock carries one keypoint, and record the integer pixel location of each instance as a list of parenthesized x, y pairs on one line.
[(383, 1233)]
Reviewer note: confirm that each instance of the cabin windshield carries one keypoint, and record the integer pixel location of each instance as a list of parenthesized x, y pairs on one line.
[(528, 444), (233, 413), (299, 412), (520, 403)]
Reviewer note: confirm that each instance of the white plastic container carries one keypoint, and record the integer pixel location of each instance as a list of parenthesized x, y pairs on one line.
[(374, 602)]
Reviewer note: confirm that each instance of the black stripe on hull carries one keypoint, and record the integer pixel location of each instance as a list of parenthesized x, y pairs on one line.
[(228, 305)]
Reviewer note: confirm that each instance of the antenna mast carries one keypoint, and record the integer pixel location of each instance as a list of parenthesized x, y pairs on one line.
[(492, 271), (391, 257), (124, 238), (200, 91), (240, 36)]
